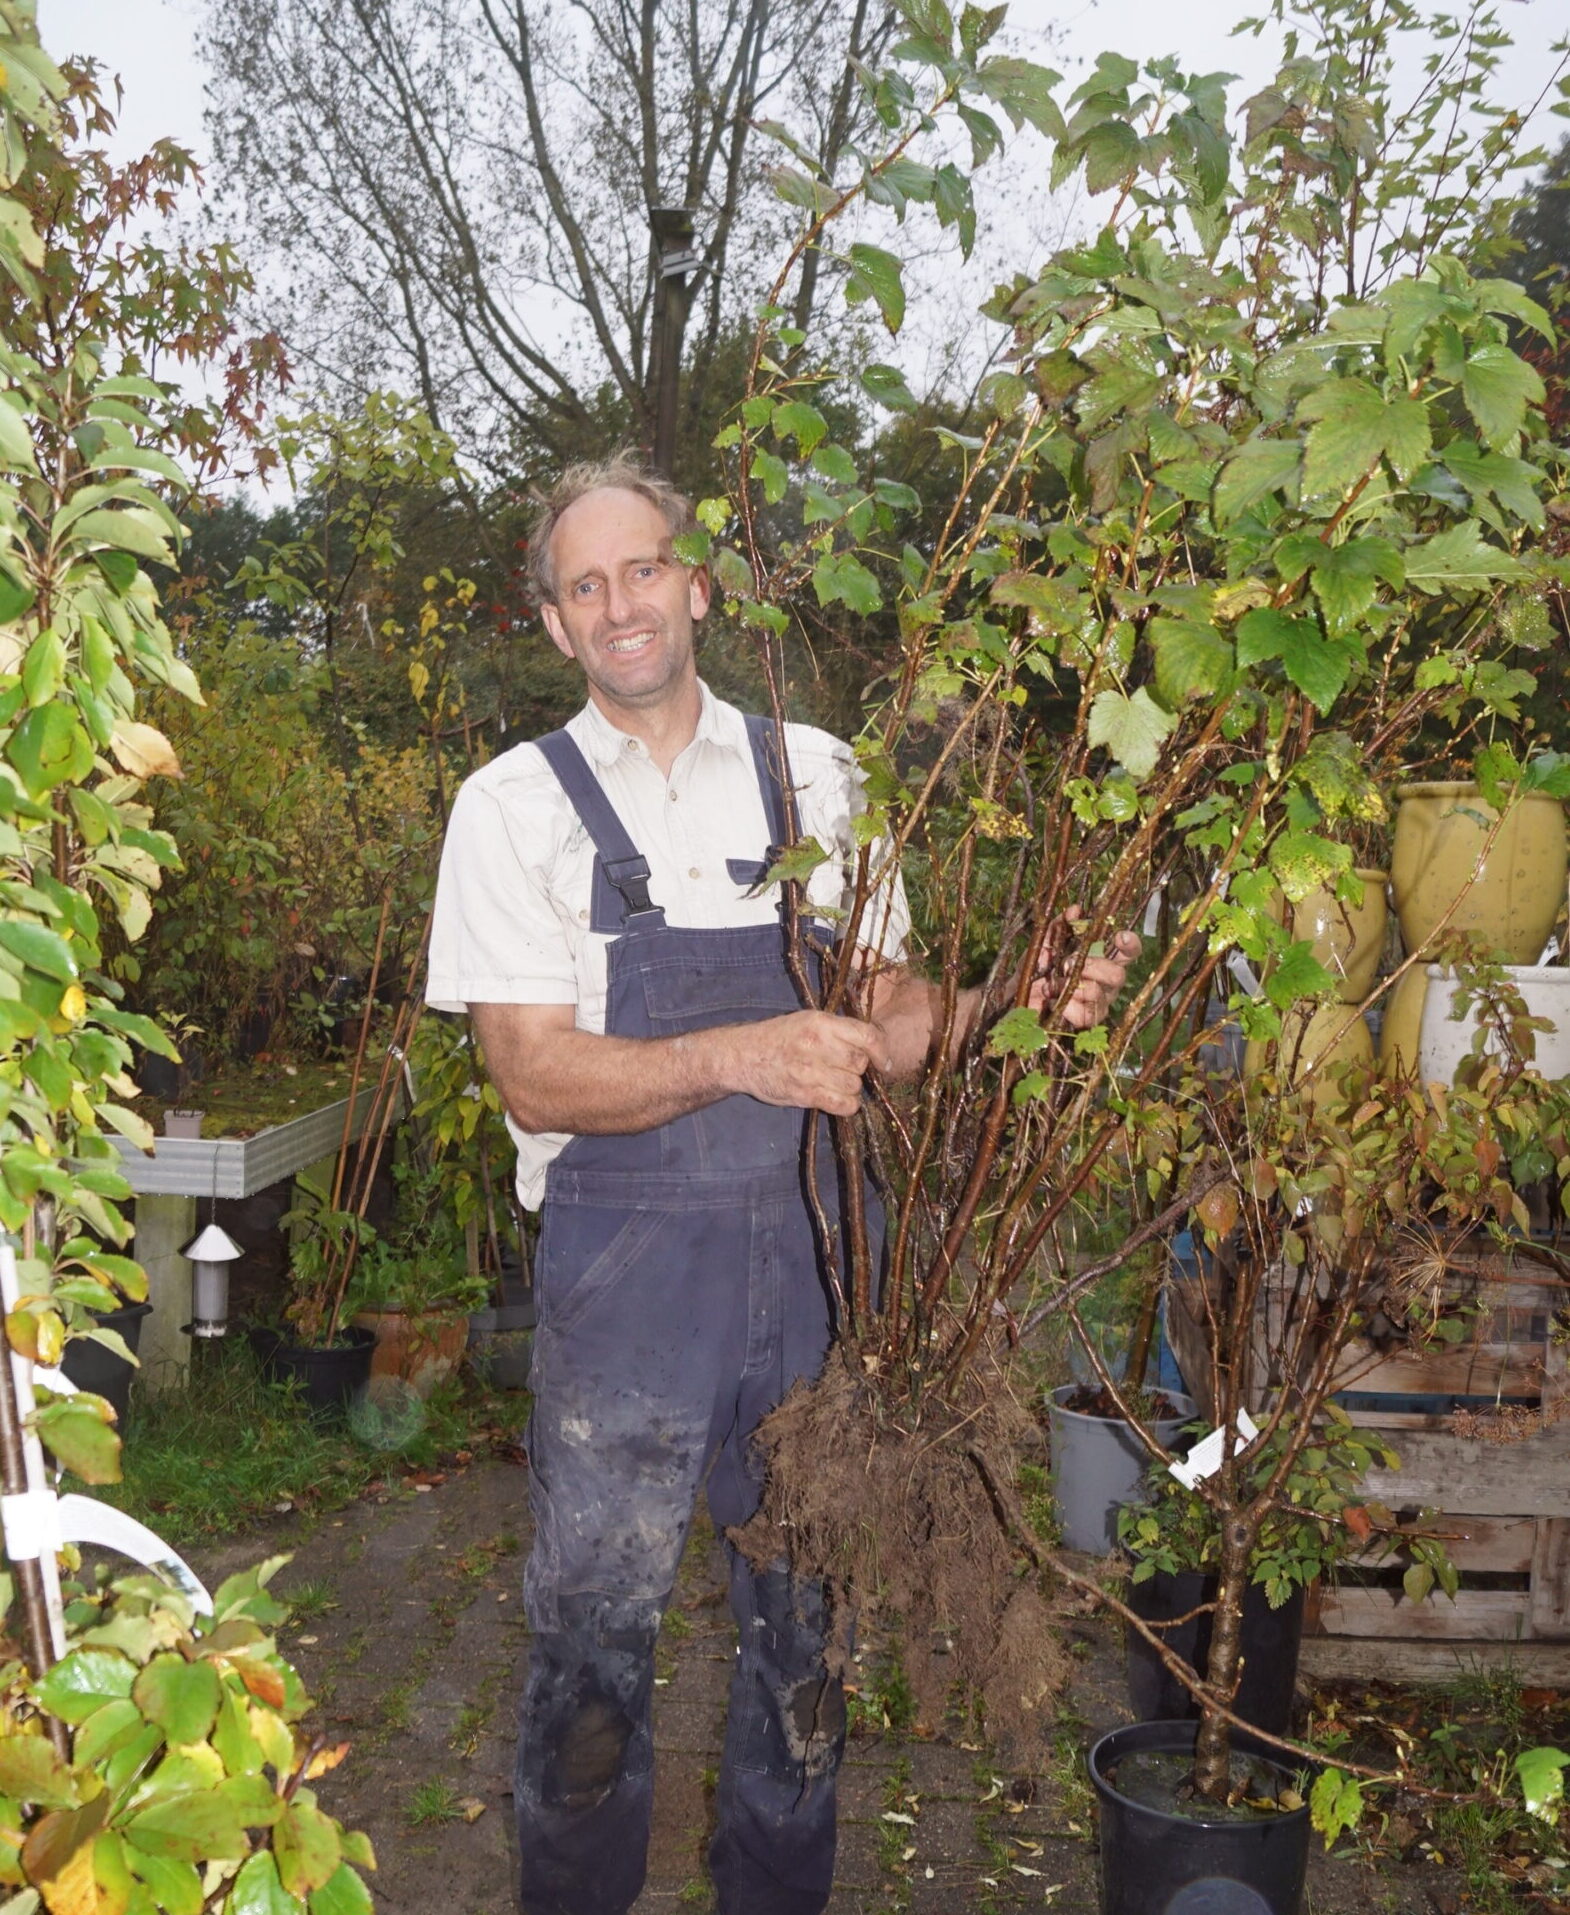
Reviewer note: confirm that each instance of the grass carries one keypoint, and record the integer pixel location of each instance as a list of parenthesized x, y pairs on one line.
[(225, 1450), (431, 1802), (309, 1600)]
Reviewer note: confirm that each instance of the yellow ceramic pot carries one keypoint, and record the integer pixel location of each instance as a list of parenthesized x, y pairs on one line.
[(1328, 1038), (1347, 938), (1403, 1020), (1517, 893)]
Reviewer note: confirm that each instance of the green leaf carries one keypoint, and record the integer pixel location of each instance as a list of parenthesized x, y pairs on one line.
[(1409, 436), (772, 474), (32, 1772), (1497, 386), (795, 865), (835, 464), (1505, 296), (39, 949), (15, 596), (49, 748), (80, 1439), (81, 1683), (1316, 665), (842, 578), (1347, 440), (343, 1893), (258, 1891), (795, 419), (1541, 1775), (1131, 728), (1417, 1582), (1110, 152), (1192, 660), (1335, 1805), (16, 441), (1024, 91), (1017, 1033), (1345, 577), (886, 384), (877, 275), (1297, 974), (130, 530), (106, 1730), (181, 1697), (1258, 467), (193, 1825), (306, 1844), (1458, 559), (176, 1887)]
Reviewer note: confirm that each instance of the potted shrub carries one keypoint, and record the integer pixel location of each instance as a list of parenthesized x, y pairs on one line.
[(417, 1306), (1173, 1542), (1220, 559)]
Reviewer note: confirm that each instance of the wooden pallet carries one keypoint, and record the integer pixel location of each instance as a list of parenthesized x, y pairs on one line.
[(1504, 1507)]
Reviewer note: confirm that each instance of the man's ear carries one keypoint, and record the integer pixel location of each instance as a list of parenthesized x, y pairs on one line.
[(698, 590), (557, 630)]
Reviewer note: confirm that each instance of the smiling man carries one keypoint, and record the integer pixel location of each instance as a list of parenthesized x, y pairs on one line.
[(601, 915)]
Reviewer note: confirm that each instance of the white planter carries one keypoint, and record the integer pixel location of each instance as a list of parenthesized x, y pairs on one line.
[(1443, 1042)]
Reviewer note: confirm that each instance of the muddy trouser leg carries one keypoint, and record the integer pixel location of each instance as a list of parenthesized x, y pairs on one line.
[(630, 1366), (773, 1848)]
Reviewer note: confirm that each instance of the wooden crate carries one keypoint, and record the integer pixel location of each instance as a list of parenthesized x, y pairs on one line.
[(1504, 1507)]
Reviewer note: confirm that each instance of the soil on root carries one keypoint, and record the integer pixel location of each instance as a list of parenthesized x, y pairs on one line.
[(918, 1516)]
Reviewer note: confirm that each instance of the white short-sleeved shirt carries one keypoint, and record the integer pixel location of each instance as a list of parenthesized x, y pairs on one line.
[(511, 919)]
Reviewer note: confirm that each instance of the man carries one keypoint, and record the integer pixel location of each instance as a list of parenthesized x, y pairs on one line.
[(601, 917)]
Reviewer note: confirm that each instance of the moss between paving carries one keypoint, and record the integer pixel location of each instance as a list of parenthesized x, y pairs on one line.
[(413, 1641)]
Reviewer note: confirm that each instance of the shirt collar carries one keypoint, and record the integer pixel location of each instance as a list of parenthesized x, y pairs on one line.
[(718, 724)]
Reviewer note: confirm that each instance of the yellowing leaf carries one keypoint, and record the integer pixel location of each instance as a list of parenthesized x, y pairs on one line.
[(143, 750)]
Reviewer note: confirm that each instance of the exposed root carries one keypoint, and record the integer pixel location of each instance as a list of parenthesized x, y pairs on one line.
[(899, 1516)]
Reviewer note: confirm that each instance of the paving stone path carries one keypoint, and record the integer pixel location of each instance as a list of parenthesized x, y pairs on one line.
[(412, 1639)]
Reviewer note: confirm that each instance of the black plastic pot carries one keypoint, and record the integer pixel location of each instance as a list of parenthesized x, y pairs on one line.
[(1157, 1862), (1271, 1640), (91, 1366), (328, 1378)]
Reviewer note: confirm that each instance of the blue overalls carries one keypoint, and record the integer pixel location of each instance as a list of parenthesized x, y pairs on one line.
[(679, 1296)]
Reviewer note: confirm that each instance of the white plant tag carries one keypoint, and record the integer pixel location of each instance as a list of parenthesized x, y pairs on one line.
[(1204, 1459)]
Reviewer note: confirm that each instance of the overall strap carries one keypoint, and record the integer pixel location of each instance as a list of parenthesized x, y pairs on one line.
[(620, 859), (764, 739)]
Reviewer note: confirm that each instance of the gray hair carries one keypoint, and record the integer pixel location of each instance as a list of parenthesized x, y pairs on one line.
[(619, 473)]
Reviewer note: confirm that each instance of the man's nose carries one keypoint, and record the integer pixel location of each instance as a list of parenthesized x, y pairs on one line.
[(621, 602)]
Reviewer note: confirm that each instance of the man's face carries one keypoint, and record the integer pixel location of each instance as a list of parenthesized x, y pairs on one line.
[(625, 607)]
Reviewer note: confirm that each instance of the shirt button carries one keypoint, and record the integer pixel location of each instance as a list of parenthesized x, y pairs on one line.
[(694, 872), (632, 744), (674, 796), (584, 916)]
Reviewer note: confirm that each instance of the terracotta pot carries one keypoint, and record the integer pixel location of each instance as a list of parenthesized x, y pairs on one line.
[(423, 1349), (1347, 938), (1331, 1036), (1441, 830), (1443, 1042)]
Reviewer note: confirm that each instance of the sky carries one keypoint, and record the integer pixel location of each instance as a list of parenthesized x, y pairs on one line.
[(151, 44)]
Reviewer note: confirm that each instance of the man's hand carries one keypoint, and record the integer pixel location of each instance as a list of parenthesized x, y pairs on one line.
[(1098, 984), (809, 1060)]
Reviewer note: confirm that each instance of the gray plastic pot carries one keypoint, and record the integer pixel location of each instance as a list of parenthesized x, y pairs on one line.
[(501, 1344), (1098, 1465)]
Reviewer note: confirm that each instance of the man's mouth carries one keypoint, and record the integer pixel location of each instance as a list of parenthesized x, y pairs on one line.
[(629, 642)]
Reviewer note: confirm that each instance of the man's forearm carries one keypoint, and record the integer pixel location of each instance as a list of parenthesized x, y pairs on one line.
[(555, 1077), (597, 1086)]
